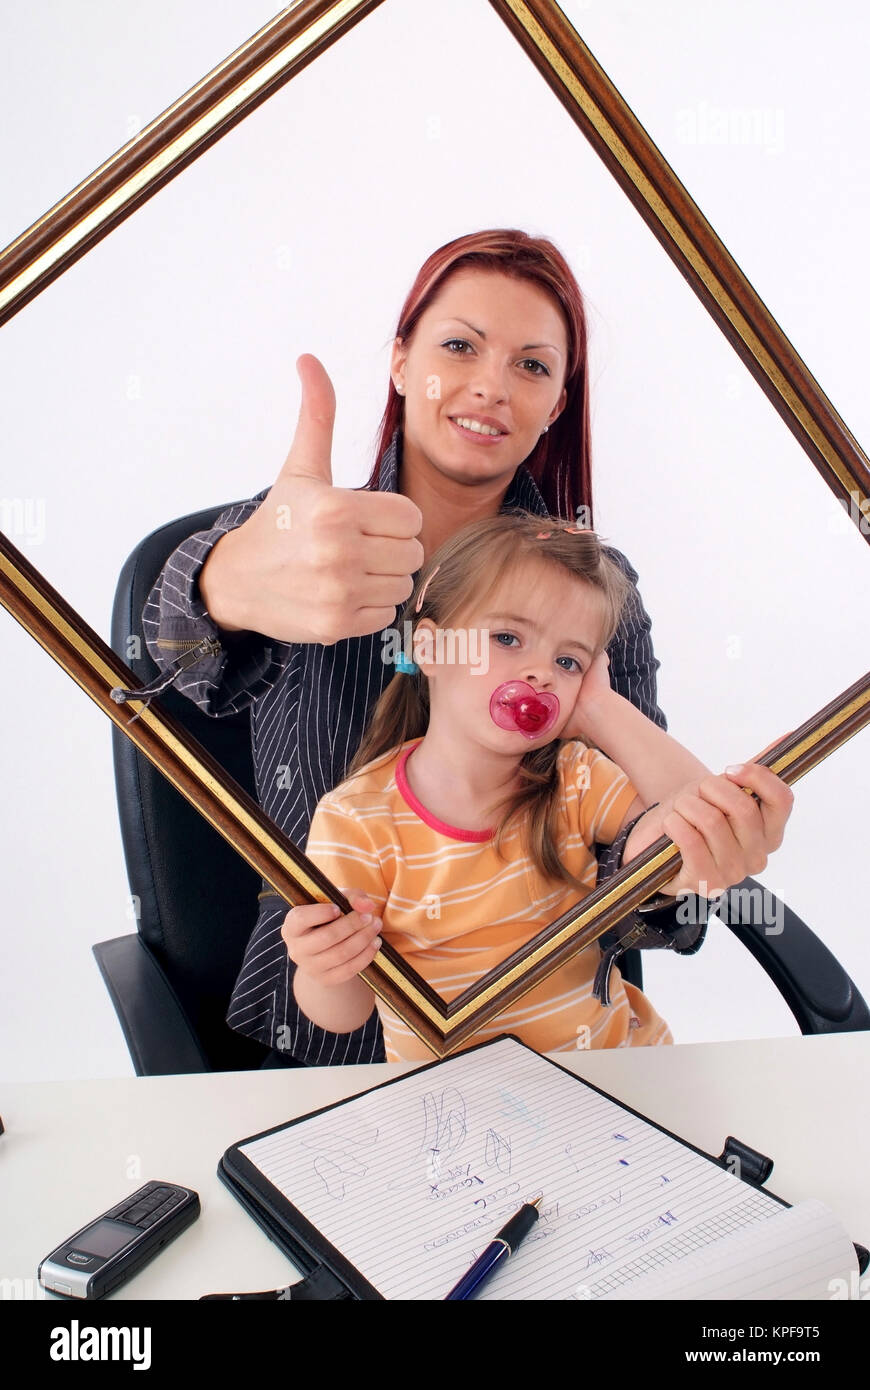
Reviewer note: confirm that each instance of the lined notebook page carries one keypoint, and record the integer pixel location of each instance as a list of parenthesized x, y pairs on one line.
[(412, 1181), (793, 1255)]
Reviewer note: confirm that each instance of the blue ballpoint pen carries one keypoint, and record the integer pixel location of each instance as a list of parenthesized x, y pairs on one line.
[(500, 1248)]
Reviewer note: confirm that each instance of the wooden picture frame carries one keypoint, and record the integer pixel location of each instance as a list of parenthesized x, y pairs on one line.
[(269, 59)]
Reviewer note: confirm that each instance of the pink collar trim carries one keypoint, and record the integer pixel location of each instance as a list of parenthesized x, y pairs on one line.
[(454, 832)]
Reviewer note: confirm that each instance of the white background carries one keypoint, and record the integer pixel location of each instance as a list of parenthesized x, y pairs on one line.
[(157, 377)]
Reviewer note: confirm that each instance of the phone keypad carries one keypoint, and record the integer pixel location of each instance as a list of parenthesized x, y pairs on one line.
[(147, 1206)]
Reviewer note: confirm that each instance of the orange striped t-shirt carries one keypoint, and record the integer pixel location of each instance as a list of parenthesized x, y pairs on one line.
[(454, 909)]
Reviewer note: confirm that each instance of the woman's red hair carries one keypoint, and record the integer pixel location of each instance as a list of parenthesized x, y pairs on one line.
[(560, 462)]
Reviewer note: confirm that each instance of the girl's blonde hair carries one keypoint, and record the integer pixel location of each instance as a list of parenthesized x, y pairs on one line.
[(470, 565)]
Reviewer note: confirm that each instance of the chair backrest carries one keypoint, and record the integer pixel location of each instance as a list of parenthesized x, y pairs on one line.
[(197, 898)]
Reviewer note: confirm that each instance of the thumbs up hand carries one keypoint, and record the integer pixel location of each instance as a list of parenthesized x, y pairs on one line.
[(314, 563)]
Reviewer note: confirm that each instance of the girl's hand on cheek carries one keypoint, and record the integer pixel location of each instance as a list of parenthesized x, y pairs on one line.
[(594, 687)]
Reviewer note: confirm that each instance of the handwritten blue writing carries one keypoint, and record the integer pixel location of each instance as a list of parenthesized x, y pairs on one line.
[(497, 1151), (435, 1244), (444, 1120), (519, 1109)]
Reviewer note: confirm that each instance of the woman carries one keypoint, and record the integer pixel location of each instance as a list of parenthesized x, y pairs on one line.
[(487, 410)]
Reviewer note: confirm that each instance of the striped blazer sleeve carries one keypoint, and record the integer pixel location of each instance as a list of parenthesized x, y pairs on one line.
[(174, 613), (633, 668), (633, 665)]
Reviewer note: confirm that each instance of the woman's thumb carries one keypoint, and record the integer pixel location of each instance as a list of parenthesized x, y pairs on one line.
[(310, 453)]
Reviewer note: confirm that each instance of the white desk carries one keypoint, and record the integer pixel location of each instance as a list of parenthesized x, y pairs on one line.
[(73, 1149)]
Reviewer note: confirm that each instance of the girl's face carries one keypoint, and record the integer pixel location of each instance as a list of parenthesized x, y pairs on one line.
[(543, 628), (491, 349)]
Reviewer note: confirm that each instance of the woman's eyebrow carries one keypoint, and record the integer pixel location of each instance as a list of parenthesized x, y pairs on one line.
[(527, 347)]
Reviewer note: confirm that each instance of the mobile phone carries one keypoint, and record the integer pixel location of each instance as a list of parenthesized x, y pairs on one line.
[(107, 1251)]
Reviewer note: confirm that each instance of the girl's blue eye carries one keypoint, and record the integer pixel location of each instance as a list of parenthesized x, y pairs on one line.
[(545, 371), (514, 638)]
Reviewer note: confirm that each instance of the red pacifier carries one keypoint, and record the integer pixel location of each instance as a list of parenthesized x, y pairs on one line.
[(515, 705)]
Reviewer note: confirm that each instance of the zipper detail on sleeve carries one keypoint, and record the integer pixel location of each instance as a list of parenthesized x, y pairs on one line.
[(195, 649)]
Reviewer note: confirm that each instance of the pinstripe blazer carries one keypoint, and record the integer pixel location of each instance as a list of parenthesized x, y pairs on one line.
[(309, 706)]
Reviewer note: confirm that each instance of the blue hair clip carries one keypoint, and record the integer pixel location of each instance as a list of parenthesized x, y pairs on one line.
[(406, 667)]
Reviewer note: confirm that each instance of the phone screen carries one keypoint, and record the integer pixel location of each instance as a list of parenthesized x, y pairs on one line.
[(105, 1237)]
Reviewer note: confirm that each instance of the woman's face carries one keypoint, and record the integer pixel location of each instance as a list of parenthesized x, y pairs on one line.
[(489, 348)]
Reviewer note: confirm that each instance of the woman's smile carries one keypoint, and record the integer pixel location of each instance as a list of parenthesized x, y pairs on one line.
[(477, 436)]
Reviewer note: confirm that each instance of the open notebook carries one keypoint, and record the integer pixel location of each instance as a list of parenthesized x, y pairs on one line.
[(397, 1190)]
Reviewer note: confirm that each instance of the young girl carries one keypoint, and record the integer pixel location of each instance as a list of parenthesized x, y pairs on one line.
[(468, 817)]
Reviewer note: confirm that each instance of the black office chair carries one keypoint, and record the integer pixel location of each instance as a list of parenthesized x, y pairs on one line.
[(171, 981)]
